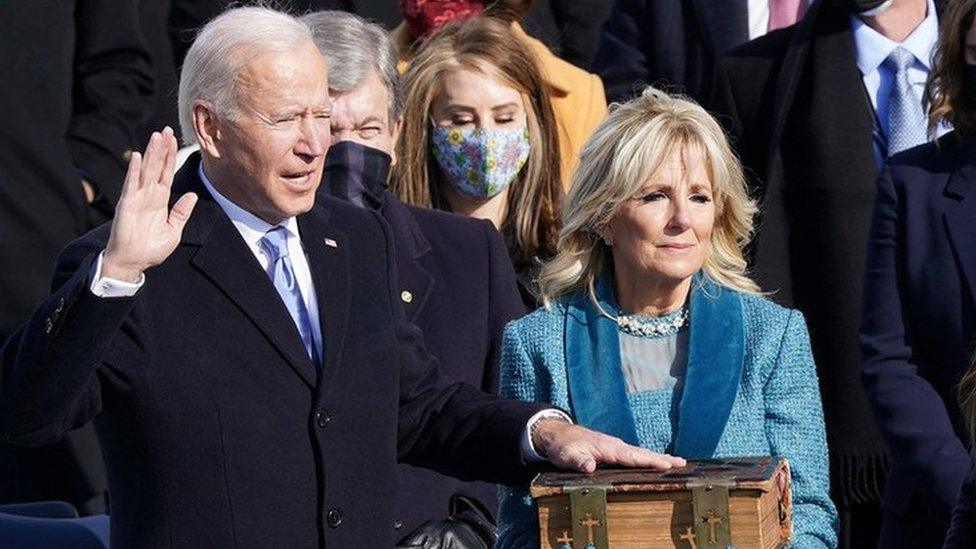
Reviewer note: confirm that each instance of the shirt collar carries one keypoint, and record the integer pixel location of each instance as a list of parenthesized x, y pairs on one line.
[(251, 227), (873, 48)]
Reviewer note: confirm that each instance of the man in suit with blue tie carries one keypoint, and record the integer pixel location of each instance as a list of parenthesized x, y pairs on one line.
[(241, 348)]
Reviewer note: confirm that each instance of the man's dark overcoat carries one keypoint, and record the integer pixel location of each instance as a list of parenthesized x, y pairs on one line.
[(216, 427)]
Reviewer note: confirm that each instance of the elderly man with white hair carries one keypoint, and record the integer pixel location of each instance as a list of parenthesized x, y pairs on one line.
[(241, 346)]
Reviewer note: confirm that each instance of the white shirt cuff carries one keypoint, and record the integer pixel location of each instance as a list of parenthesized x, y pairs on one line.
[(528, 450), (111, 287)]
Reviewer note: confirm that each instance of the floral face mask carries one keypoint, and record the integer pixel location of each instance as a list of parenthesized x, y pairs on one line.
[(480, 162)]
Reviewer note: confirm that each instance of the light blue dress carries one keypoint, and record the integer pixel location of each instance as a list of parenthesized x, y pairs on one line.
[(768, 405)]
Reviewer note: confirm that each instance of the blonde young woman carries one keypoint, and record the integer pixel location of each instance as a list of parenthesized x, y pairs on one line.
[(479, 139), (652, 330)]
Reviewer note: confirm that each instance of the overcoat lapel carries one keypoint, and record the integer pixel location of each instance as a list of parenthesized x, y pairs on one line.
[(328, 259), (792, 69), (960, 221), (412, 248), (225, 259), (716, 347), (597, 393)]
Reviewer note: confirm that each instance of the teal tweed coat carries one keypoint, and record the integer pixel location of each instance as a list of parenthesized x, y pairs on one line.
[(750, 390)]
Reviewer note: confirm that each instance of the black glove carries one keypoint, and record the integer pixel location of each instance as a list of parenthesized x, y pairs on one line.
[(468, 526)]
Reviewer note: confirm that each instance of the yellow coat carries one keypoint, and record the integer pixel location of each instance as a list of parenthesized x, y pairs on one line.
[(578, 100)]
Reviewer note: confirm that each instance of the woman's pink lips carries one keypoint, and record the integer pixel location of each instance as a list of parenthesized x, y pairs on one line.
[(676, 246)]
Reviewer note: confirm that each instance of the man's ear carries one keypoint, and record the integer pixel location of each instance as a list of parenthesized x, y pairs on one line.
[(395, 135), (206, 124)]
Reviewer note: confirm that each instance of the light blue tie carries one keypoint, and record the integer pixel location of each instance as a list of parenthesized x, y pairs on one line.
[(282, 273), (906, 119)]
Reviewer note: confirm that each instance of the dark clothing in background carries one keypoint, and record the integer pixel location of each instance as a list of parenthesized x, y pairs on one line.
[(77, 88), (802, 123), (217, 428), (919, 323), (672, 44), (189, 16), (456, 283), (570, 28), (154, 21)]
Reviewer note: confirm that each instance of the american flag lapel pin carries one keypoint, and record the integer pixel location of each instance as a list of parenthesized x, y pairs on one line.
[(331, 243)]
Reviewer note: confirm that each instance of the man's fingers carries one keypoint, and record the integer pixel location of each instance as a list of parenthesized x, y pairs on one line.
[(675, 460), (153, 162), (169, 165), (132, 174), (577, 458), (623, 454), (181, 211)]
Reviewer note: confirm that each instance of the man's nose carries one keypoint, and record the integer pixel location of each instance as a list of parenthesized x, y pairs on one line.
[(314, 140)]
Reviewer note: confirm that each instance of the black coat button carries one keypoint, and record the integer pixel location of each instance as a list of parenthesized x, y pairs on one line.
[(323, 418), (333, 518)]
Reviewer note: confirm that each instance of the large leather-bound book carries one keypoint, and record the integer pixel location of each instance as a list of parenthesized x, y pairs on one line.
[(710, 504)]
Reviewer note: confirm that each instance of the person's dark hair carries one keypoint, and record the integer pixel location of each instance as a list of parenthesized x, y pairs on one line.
[(945, 92)]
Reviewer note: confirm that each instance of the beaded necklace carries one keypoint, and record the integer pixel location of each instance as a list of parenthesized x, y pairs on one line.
[(648, 326)]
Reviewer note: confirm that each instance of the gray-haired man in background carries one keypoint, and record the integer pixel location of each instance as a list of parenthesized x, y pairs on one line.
[(455, 279)]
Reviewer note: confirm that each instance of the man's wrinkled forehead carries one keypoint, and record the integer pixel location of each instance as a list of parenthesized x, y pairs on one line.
[(368, 100), (298, 77)]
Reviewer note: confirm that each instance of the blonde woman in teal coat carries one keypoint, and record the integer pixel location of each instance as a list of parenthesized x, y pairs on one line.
[(652, 330)]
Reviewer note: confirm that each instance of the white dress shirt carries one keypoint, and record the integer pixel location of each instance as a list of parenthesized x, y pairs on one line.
[(872, 48)]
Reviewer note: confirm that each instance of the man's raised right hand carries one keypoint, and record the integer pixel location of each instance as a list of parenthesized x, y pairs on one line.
[(145, 231)]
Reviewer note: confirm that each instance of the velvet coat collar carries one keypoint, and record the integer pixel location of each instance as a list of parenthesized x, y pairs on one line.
[(597, 390)]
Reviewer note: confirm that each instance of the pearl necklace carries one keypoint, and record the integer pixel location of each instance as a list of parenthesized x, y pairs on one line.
[(645, 326)]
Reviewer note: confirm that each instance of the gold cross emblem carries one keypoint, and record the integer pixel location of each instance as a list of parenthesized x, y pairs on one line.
[(566, 538), (713, 520), (689, 536), (590, 522)]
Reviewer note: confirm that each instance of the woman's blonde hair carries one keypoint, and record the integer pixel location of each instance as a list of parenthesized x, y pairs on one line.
[(625, 150), (967, 397), (485, 45), (946, 91)]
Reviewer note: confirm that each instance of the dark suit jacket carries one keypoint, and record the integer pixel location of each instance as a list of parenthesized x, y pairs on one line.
[(667, 43), (216, 427), (462, 292), (457, 285), (76, 87), (801, 121), (962, 530), (919, 320)]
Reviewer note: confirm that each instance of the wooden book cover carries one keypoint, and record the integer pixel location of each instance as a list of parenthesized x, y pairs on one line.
[(710, 504)]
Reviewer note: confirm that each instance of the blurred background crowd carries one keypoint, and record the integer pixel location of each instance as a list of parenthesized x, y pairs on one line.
[(816, 97)]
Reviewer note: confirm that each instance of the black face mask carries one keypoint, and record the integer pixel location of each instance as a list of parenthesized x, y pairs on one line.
[(857, 6), (356, 173)]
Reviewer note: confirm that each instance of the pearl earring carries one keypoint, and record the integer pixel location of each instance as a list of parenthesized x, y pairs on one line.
[(608, 240)]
